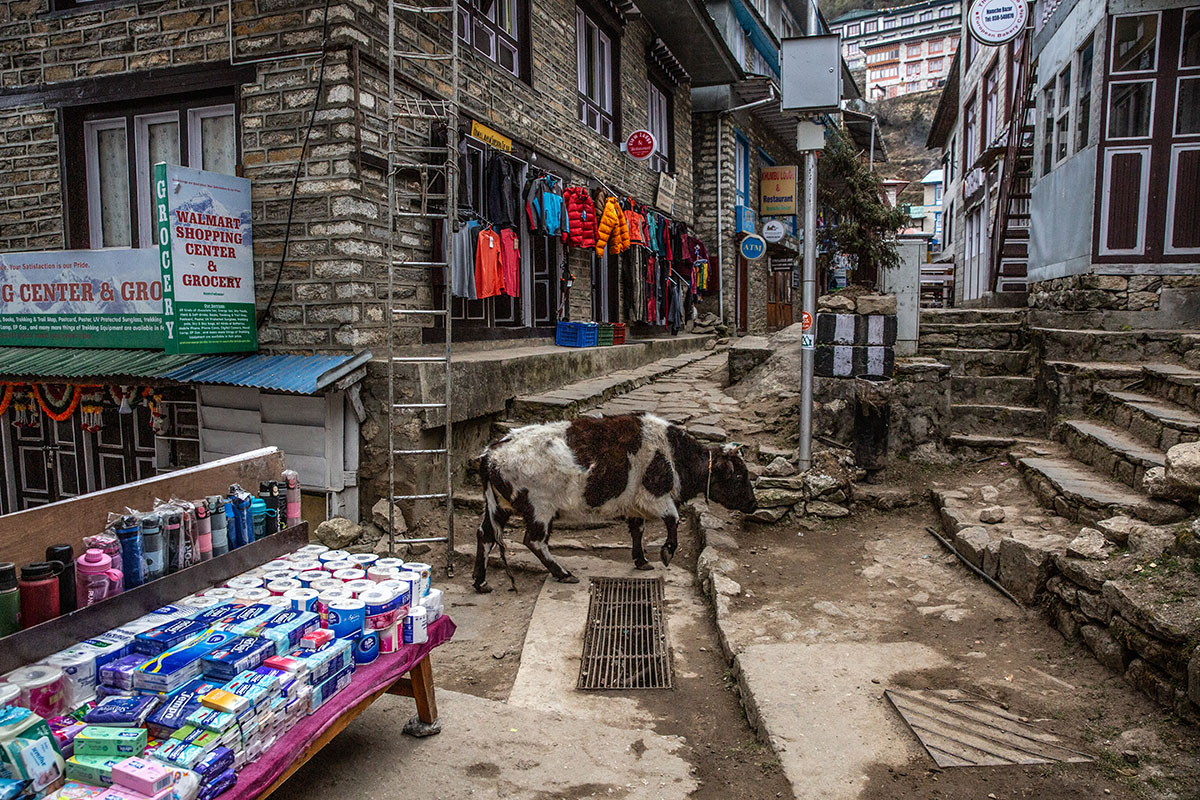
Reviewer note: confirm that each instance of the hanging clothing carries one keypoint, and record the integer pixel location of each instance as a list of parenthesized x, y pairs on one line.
[(488, 277), (675, 315), (462, 263), (612, 231), (636, 223), (501, 191), (633, 289), (580, 230), (510, 262), (544, 206)]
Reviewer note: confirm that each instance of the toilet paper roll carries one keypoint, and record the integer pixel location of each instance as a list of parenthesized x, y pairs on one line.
[(326, 584), (390, 562), (332, 555), (279, 575), (347, 617), (381, 608), (307, 565), (333, 566), (351, 574), (416, 630), (358, 587), (221, 593), (204, 601), (253, 595), (79, 672), (313, 550), (43, 689), (244, 582), (283, 586), (302, 599), (309, 576), (366, 647), (390, 639), (377, 573)]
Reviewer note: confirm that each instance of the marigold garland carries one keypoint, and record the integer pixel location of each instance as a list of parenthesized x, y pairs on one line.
[(76, 393), (6, 398)]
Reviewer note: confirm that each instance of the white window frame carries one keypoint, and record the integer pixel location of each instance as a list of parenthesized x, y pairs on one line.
[(907, 19), (659, 124), (141, 152), (1186, 12), (1108, 109), (852, 30), (90, 129), (1168, 248), (1063, 109), (1143, 200), (194, 117), (586, 27), (1175, 121), (1112, 50)]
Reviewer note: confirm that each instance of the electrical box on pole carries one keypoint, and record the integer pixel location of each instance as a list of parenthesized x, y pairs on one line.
[(812, 74)]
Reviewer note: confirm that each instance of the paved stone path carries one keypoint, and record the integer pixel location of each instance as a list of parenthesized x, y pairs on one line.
[(691, 396)]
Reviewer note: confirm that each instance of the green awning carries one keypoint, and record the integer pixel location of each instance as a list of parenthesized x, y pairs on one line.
[(72, 363)]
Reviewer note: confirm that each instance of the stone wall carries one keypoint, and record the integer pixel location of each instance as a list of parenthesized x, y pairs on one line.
[(1114, 301)]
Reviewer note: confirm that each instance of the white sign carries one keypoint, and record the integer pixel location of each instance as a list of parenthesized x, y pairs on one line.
[(773, 230), (807, 341), (995, 22)]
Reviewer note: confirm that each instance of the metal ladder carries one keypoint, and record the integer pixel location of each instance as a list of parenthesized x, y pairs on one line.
[(419, 112)]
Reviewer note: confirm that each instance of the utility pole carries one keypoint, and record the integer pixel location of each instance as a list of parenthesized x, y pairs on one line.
[(808, 284)]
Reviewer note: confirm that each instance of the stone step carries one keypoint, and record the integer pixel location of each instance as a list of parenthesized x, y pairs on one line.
[(971, 361), (569, 401), (962, 316), (989, 441), (1103, 345), (1175, 383), (989, 335), (1012, 390), (1111, 451), (997, 419), (1078, 492), (1159, 423)]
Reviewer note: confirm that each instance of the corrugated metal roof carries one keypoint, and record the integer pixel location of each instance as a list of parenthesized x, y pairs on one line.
[(63, 362), (281, 373)]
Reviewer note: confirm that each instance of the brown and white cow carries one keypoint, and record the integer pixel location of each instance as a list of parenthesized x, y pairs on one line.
[(633, 467)]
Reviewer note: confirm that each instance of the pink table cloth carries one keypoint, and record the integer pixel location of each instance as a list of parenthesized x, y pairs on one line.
[(255, 777)]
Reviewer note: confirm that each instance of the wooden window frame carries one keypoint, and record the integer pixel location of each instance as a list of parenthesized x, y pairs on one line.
[(663, 159), (585, 16), (1169, 248), (1158, 43), (471, 14)]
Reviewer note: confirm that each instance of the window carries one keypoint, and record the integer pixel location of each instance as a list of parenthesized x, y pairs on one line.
[(1189, 48), (888, 24), (662, 126), (913, 50), (870, 27), (991, 103), (935, 46), (912, 86), (1187, 107), (926, 15), (116, 196), (883, 55), (1083, 105), (1130, 105), (594, 56), (913, 68), (852, 48), (852, 30), (885, 72), (972, 49), (496, 30), (789, 28), (1062, 118), (970, 133), (1047, 128), (947, 11), (742, 169), (1135, 43), (907, 19), (933, 65)]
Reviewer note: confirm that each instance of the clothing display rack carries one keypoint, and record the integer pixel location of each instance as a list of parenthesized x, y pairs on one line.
[(414, 113)]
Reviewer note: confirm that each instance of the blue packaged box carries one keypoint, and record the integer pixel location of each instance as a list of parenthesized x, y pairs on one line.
[(213, 764), (324, 691), (217, 613), (121, 712), (212, 720), (242, 654), (244, 616), (285, 628), (109, 646), (181, 663), (164, 637)]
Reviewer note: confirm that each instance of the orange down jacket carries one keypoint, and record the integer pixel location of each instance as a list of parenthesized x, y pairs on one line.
[(613, 230)]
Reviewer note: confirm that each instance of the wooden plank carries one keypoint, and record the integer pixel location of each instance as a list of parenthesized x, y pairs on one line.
[(25, 535), (301, 440), (228, 442), (220, 418)]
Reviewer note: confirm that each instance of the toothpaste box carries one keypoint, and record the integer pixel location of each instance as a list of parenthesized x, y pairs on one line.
[(142, 776), (102, 740), (95, 770), (324, 691), (197, 736), (242, 654), (175, 667), (166, 636)]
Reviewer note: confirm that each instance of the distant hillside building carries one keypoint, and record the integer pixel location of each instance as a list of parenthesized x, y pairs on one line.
[(903, 49)]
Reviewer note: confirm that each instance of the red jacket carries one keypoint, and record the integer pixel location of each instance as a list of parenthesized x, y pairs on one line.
[(581, 218)]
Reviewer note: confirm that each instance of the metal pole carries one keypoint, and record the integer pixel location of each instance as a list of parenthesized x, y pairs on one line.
[(452, 124), (720, 233), (391, 296), (808, 284)]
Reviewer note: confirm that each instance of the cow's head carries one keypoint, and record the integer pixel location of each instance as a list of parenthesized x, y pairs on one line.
[(729, 480)]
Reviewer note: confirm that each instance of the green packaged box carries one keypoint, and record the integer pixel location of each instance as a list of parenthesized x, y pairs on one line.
[(101, 740), (92, 770)]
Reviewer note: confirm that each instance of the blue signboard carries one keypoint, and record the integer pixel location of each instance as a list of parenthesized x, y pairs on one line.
[(753, 247), (746, 219)]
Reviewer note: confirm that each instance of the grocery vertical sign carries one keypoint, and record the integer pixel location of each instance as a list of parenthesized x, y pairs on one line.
[(206, 262)]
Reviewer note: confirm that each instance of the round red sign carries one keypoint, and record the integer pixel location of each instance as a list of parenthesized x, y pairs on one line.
[(640, 145), (805, 320)]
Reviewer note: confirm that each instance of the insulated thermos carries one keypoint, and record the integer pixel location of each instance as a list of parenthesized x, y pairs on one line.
[(268, 492), (39, 592), (153, 546), (173, 538), (293, 496), (10, 599), (95, 578), (65, 555), (218, 524), (204, 538), (133, 555)]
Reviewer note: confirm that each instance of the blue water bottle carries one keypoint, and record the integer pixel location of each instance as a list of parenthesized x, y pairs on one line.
[(133, 559), (232, 526)]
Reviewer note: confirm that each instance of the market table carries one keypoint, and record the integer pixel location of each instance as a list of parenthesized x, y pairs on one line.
[(385, 675)]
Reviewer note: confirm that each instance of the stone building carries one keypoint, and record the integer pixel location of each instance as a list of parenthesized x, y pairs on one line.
[(902, 49)]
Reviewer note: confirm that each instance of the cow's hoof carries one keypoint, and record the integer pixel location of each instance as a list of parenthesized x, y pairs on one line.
[(645, 565), (568, 579), (666, 555), (482, 588)]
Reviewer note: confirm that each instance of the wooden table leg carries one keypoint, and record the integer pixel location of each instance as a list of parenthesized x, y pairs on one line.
[(422, 686)]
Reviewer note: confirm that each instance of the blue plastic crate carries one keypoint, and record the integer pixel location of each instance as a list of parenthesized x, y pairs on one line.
[(576, 334)]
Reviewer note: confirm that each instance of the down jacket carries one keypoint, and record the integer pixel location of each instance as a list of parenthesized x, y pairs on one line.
[(581, 218), (613, 230)]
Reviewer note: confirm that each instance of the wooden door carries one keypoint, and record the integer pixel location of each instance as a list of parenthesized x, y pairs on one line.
[(124, 450), (743, 294), (779, 298), (48, 462)]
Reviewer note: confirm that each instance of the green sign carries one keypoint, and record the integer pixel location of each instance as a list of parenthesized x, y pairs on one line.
[(205, 261), (81, 298)]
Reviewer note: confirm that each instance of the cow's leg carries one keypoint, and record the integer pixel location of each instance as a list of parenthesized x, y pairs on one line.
[(537, 536), (637, 526), (671, 520)]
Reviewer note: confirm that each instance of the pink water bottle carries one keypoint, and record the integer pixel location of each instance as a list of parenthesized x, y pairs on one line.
[(95, 579)]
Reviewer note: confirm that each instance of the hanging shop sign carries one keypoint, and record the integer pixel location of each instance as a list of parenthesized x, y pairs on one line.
[(773, 231), (206, 261), (81, 298), (781, 264), (640, 145), (995, 22), (777, 191), (745, 219), (753, 247), (491, 137), (665, 199)]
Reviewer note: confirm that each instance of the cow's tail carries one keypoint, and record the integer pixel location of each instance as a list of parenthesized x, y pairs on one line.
[(493, 527)]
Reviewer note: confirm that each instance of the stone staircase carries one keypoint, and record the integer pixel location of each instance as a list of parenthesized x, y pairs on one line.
[(993, 392)]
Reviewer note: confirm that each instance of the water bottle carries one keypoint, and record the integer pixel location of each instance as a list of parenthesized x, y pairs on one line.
[(39, 592), (173, 538), (65, 555), (133, 553), (258, 517), (268, 492), (204, 536), (219, 525), (154, 546), (95, 578)]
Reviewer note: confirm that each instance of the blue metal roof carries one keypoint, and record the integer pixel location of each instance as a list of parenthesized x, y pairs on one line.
[(280, 373)]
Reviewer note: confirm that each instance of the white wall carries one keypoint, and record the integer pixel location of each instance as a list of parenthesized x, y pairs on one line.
[(1060, 238)]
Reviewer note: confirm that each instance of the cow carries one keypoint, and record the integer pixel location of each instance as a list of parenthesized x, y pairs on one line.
[(633, 467)]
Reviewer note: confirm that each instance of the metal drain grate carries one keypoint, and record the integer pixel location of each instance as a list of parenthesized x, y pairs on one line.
[(625, 644)]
